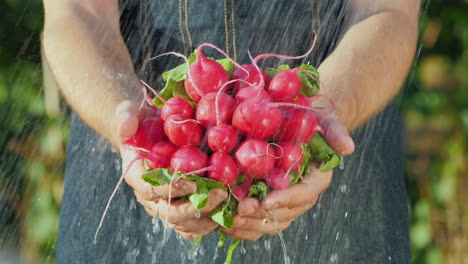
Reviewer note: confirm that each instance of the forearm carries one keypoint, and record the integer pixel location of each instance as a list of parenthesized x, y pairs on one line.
[(369, 66), (90, 62)]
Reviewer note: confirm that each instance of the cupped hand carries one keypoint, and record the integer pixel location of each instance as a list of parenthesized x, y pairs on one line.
[(276, 211), (161, 201)]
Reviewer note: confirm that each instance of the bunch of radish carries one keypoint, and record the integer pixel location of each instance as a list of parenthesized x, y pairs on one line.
[(221, 123), (238, 127)]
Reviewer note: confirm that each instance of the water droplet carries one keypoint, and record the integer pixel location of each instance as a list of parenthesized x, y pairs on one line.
[(314, 216), (306, 237), (267, 245), (341, 163), (390, 258), (243, 250), (149, 238), (346, 214), (334, 258), (136, 252), (202, 251), (343, 188), (155, 219), (132, 204), (156, 227), (125, 241), (93, 149), (337, 236), (197, 214)]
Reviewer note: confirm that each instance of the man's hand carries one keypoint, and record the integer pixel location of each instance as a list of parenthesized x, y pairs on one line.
[(276, 212), (179, 215)]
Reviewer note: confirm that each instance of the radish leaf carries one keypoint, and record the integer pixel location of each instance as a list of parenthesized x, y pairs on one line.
[(157, 177), (273, 71), (310, 87), (322, 154), (258, 190), (224, 213), (199, 198)]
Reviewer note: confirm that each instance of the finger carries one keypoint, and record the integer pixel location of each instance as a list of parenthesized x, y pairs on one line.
[(248, 206), (177, 189), (266, 225), (127, 116), (243, 234), (283, 214), (197, 227), (312, 185), (146, 190), (180, 211), (337, 135)]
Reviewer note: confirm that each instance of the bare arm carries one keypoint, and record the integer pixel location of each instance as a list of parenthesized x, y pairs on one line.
[(87, 55), (368, 67)]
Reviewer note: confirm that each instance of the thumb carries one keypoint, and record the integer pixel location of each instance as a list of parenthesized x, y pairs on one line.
[(337, 135), (127, 117)]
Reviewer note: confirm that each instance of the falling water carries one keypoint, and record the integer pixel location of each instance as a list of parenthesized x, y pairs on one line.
[(129, 234)]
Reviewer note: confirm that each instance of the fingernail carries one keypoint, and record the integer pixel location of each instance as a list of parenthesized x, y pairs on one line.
[(240, 221)]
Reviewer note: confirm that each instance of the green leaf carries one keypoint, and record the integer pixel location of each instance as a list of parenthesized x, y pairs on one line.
[(273, 71), (222, 239), (166, 92), (294, 177), (198, 241), (205, 186), (157, 177), (310, 86), (231, 251), (258, 190), (322, 154), (177, 74), (332, 163), (179, 90), (227, 65), (305, 163), (224, 213)]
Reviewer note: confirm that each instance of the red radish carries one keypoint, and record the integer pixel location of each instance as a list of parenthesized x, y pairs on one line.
[(277, 179), (299, 125), (222, 138), (206, 109), (256, 118), (243, 190), (206, 76), (250, 75), (160, 155), (240, 192), (177, 106), (255, 158), (188, 158), (285, 86), (303, 101), (150, 131), (223, 168), (289, 156), (251, 92), (182, 131)]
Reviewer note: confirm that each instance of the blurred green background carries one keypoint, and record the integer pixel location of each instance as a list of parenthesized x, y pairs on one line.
[(34, 124)]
